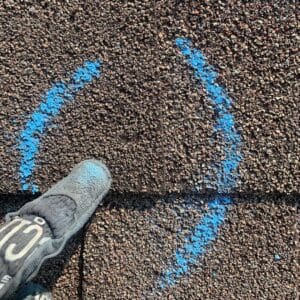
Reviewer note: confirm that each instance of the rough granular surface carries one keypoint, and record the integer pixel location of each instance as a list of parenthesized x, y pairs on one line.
[(152, 123), (129, 245), (146, 116)]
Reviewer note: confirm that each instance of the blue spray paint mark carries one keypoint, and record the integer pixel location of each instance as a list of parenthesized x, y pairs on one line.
[(226, 173), (195, 245), (91, 171), (52, 101), (206, 231)]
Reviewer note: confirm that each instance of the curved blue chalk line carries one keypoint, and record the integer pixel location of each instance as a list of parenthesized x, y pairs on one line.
[(206, 231), (226, 173), (52, 101)]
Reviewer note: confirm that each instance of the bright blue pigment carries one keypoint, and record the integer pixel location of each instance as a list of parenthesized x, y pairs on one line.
[(226, 173), (52, 101), (206, 231), (91, 172)]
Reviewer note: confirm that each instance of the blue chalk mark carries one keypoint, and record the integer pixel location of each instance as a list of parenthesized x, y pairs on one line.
[(206, 231), (226, 173), (91, 171), (195, 245), (59, 94)]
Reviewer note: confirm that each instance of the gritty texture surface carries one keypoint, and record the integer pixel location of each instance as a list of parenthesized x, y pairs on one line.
[(152, 124), (146, 116), (252, 258), (129, 244), (123, 259)]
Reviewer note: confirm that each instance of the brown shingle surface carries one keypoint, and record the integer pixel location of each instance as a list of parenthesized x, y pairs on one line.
[(152, 123), (128, 246), (146, 116)]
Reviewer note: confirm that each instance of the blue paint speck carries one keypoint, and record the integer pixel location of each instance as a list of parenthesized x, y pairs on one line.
[(277, 257), (52, 101)]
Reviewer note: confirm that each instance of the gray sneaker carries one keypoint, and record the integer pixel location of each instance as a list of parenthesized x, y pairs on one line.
[(41, 228), (33, 291)]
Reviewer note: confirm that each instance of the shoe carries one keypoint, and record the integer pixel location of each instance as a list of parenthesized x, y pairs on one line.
[(33, 291), (41, 228)]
